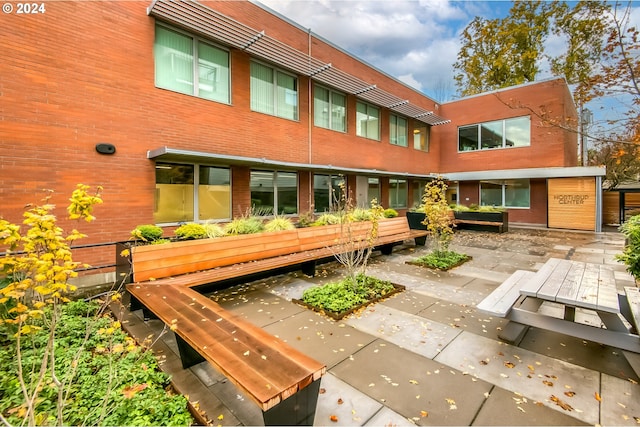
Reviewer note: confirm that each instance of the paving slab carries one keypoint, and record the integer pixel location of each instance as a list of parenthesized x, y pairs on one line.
[(340, 404), (530, 374), (620, 404), (322, 338), (260, 307), (424, 391), (414, 333), (409, 302), (506, 408)]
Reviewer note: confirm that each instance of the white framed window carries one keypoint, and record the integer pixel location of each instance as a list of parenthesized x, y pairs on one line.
[(509, 193), (188, 192), (398, 130), (329, 109), (189, 65), (506, 133), (398, 191), (367, 121), (273, 91), (274, 192)]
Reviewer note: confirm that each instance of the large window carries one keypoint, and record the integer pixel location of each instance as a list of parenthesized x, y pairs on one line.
[(421, 136), (273, 92), (497, 134), (511, 193), (326, 192), (274, 192), (186, 64), (191, 193), (367, 121), (329, 109), (398, 130), (398, 193), (373, 190)]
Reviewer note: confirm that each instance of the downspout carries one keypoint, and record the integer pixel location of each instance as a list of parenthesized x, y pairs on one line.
[(598, 204), (309, 125)]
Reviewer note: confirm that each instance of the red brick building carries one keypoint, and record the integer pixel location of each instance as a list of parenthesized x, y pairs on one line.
[(189, 111)]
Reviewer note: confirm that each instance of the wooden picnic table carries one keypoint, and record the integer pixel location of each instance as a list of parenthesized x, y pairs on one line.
[(575, 284)]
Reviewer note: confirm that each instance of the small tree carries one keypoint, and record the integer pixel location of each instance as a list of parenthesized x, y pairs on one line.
[(353, 251), (437, 214)]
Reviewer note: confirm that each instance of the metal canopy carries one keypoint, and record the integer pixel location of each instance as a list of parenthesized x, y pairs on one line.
[(205, 21), (169, 154)]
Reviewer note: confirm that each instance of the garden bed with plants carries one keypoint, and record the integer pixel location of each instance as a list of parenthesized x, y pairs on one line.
[(340, 299), (442, 261)]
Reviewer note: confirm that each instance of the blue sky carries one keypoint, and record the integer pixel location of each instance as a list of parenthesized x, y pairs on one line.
[(415, 41)]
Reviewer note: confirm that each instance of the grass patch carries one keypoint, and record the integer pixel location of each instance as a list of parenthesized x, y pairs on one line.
[(441, 260), (341, 298)]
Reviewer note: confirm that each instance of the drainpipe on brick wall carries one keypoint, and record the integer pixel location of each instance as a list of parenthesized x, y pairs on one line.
[(310, 144)]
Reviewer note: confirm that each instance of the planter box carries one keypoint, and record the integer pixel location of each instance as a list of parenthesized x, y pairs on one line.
[(415, 220), (501, 220)]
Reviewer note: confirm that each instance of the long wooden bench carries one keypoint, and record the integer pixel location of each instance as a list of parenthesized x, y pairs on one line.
[(281, 380), (209, 261)]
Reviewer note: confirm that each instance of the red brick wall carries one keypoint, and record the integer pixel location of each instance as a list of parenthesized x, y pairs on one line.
[(545, 103)]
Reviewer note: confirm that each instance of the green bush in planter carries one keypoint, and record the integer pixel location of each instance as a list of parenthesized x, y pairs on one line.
[(244, 225), (327, 219), (191, 231), (214, 230), (631, 255), (147, 233), (390, 213), (279, 223)]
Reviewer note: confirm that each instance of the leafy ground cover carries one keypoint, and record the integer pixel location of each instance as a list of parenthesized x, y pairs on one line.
[(108, 379), (341, 298), (441, 260)]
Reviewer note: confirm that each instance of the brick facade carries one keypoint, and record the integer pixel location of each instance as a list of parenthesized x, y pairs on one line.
[(82, 73)]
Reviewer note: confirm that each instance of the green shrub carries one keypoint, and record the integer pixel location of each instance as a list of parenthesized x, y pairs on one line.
[(214, 230), (115, 381), (344, 295), (279, 223), (390, 213), (305, 220), (244, 225), (631, 255), (147, 233), (360, 214), (327, 219), (442, 260), (191, 231)]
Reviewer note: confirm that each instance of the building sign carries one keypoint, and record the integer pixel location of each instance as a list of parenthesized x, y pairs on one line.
[(572, 203)]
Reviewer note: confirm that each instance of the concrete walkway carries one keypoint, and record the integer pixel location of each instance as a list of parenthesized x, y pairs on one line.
[(426, 356)]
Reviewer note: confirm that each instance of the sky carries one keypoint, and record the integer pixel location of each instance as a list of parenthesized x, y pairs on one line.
[(415, 41)]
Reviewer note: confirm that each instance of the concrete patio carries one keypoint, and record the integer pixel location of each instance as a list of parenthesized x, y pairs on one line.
[(426, 356)]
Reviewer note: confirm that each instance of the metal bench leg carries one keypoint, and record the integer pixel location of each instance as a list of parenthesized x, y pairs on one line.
[(188, 355), (387, 249), (309, 268), (421, 241), (297, 410)]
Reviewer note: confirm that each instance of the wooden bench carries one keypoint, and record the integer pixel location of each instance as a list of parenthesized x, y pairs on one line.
[(500, 302), (498, 226), (208, 261), (281, 380)]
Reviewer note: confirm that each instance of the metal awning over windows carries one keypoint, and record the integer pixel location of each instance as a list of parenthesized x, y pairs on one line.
[(205, 21)]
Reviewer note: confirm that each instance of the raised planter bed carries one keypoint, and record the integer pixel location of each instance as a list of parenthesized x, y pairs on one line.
[(482, 221), (339, 316)]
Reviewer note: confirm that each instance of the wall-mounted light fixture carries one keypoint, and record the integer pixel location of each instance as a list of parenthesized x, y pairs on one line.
[(105, 148)]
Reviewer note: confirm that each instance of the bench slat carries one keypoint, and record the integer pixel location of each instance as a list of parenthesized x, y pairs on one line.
[(500, 301), (633, 296), (265, 367)]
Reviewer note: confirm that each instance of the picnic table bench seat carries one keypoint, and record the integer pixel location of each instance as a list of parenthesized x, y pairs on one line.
[(281, 380)]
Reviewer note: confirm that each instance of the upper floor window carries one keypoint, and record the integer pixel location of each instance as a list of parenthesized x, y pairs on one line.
[(329, 109), (188, 65), (497, 134), (273, 92), (421, 136), (367, 121), (398, 130), (274, 192)]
